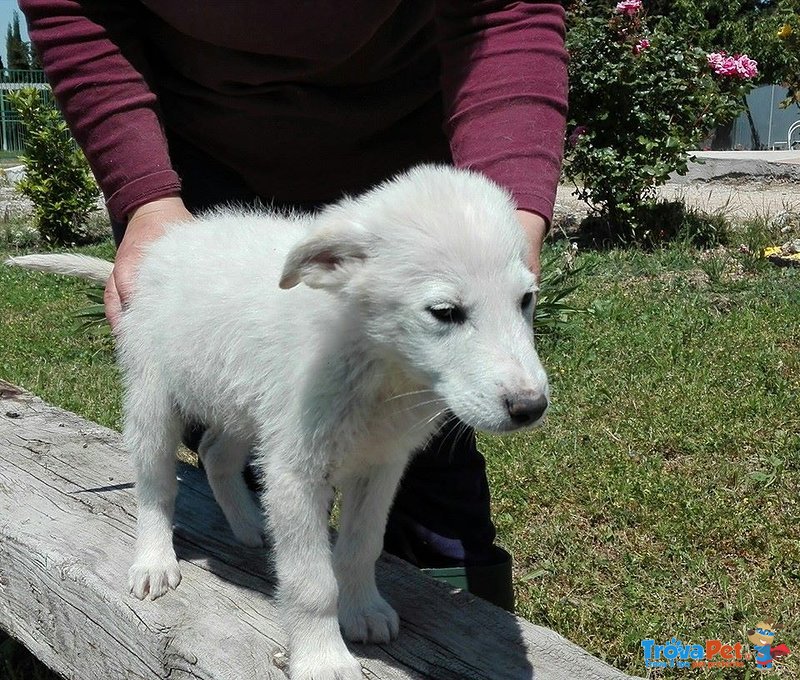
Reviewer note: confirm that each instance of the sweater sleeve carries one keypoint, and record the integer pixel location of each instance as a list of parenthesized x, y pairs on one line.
[(97, 67), (504, 82)]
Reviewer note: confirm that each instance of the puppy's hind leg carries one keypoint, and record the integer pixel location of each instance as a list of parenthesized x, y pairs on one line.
[(363, 614), (151, 433), (224, 458)]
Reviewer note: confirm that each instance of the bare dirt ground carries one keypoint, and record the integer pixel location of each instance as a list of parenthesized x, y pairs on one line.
[(736, 199)]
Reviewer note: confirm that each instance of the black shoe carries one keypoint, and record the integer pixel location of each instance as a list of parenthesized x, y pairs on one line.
[(485, 573), (491, 581)]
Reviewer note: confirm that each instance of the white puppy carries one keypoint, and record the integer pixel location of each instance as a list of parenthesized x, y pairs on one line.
[(417, 306)]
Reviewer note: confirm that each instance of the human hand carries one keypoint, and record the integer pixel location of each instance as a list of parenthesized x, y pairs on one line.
[(145, 225), (535, 229)]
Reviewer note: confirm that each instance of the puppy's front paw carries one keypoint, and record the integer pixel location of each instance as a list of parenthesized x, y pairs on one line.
[(344, 667), (153, 578), (373, 621)]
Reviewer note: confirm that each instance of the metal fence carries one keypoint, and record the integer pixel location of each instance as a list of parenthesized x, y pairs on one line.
[(771, 123), (12, 136)]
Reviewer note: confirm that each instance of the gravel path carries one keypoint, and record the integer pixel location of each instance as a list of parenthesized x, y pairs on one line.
[(736, 199), (737, 184)]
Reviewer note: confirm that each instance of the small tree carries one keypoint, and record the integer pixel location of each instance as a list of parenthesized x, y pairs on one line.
[(18, 52), (640, 98), (57, 177)]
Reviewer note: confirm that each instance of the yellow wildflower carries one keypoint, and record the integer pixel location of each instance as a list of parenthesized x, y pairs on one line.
[(785, 31)]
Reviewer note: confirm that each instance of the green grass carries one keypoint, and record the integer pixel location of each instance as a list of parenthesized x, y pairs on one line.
[(662, 497), (42, 351)]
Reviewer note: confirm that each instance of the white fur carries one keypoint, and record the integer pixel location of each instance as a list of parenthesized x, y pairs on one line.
[(335, 382), (90, 268)]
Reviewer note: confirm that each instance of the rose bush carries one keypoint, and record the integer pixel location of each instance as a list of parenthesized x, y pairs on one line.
[(640, 99)]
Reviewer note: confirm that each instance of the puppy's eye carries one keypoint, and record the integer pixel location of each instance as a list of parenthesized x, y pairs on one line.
[(448, 313), (526, 300)]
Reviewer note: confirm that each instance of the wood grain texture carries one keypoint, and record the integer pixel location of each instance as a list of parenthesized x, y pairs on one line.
[(66, 540)]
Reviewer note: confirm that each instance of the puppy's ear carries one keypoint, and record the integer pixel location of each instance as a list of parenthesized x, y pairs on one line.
[(328, 258)]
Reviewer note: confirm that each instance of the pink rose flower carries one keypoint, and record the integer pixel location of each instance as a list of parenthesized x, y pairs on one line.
[(641, 46), (628, 7), (737, 66), (721, 63), (746, 67)]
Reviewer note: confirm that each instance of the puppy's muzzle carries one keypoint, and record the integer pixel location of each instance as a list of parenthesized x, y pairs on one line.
[(525, 408)]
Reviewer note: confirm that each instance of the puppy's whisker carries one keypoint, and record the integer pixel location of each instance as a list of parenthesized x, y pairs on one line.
[(407, 394), (428, 421), (462, 430), (454, 434), (438, 400)]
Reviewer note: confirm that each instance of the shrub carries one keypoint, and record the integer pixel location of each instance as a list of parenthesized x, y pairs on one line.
[(788, 37), (57, 177), (704, 229), (640, 98), (560, 275)]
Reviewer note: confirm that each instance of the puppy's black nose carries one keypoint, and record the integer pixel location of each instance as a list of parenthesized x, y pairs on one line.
[(526, 407)]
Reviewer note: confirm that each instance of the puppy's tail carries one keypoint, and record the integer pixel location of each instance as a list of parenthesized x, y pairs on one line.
[(90, 268)]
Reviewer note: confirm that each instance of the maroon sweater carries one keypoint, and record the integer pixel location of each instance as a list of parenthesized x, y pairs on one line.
[(305, 100)]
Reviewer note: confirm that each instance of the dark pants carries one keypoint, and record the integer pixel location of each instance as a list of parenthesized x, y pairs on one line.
[(441, 514)]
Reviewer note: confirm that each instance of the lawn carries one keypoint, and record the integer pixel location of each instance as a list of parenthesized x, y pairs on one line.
[(662, 497)]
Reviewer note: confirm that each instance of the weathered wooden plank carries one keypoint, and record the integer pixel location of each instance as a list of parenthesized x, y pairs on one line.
[(66, 539)]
